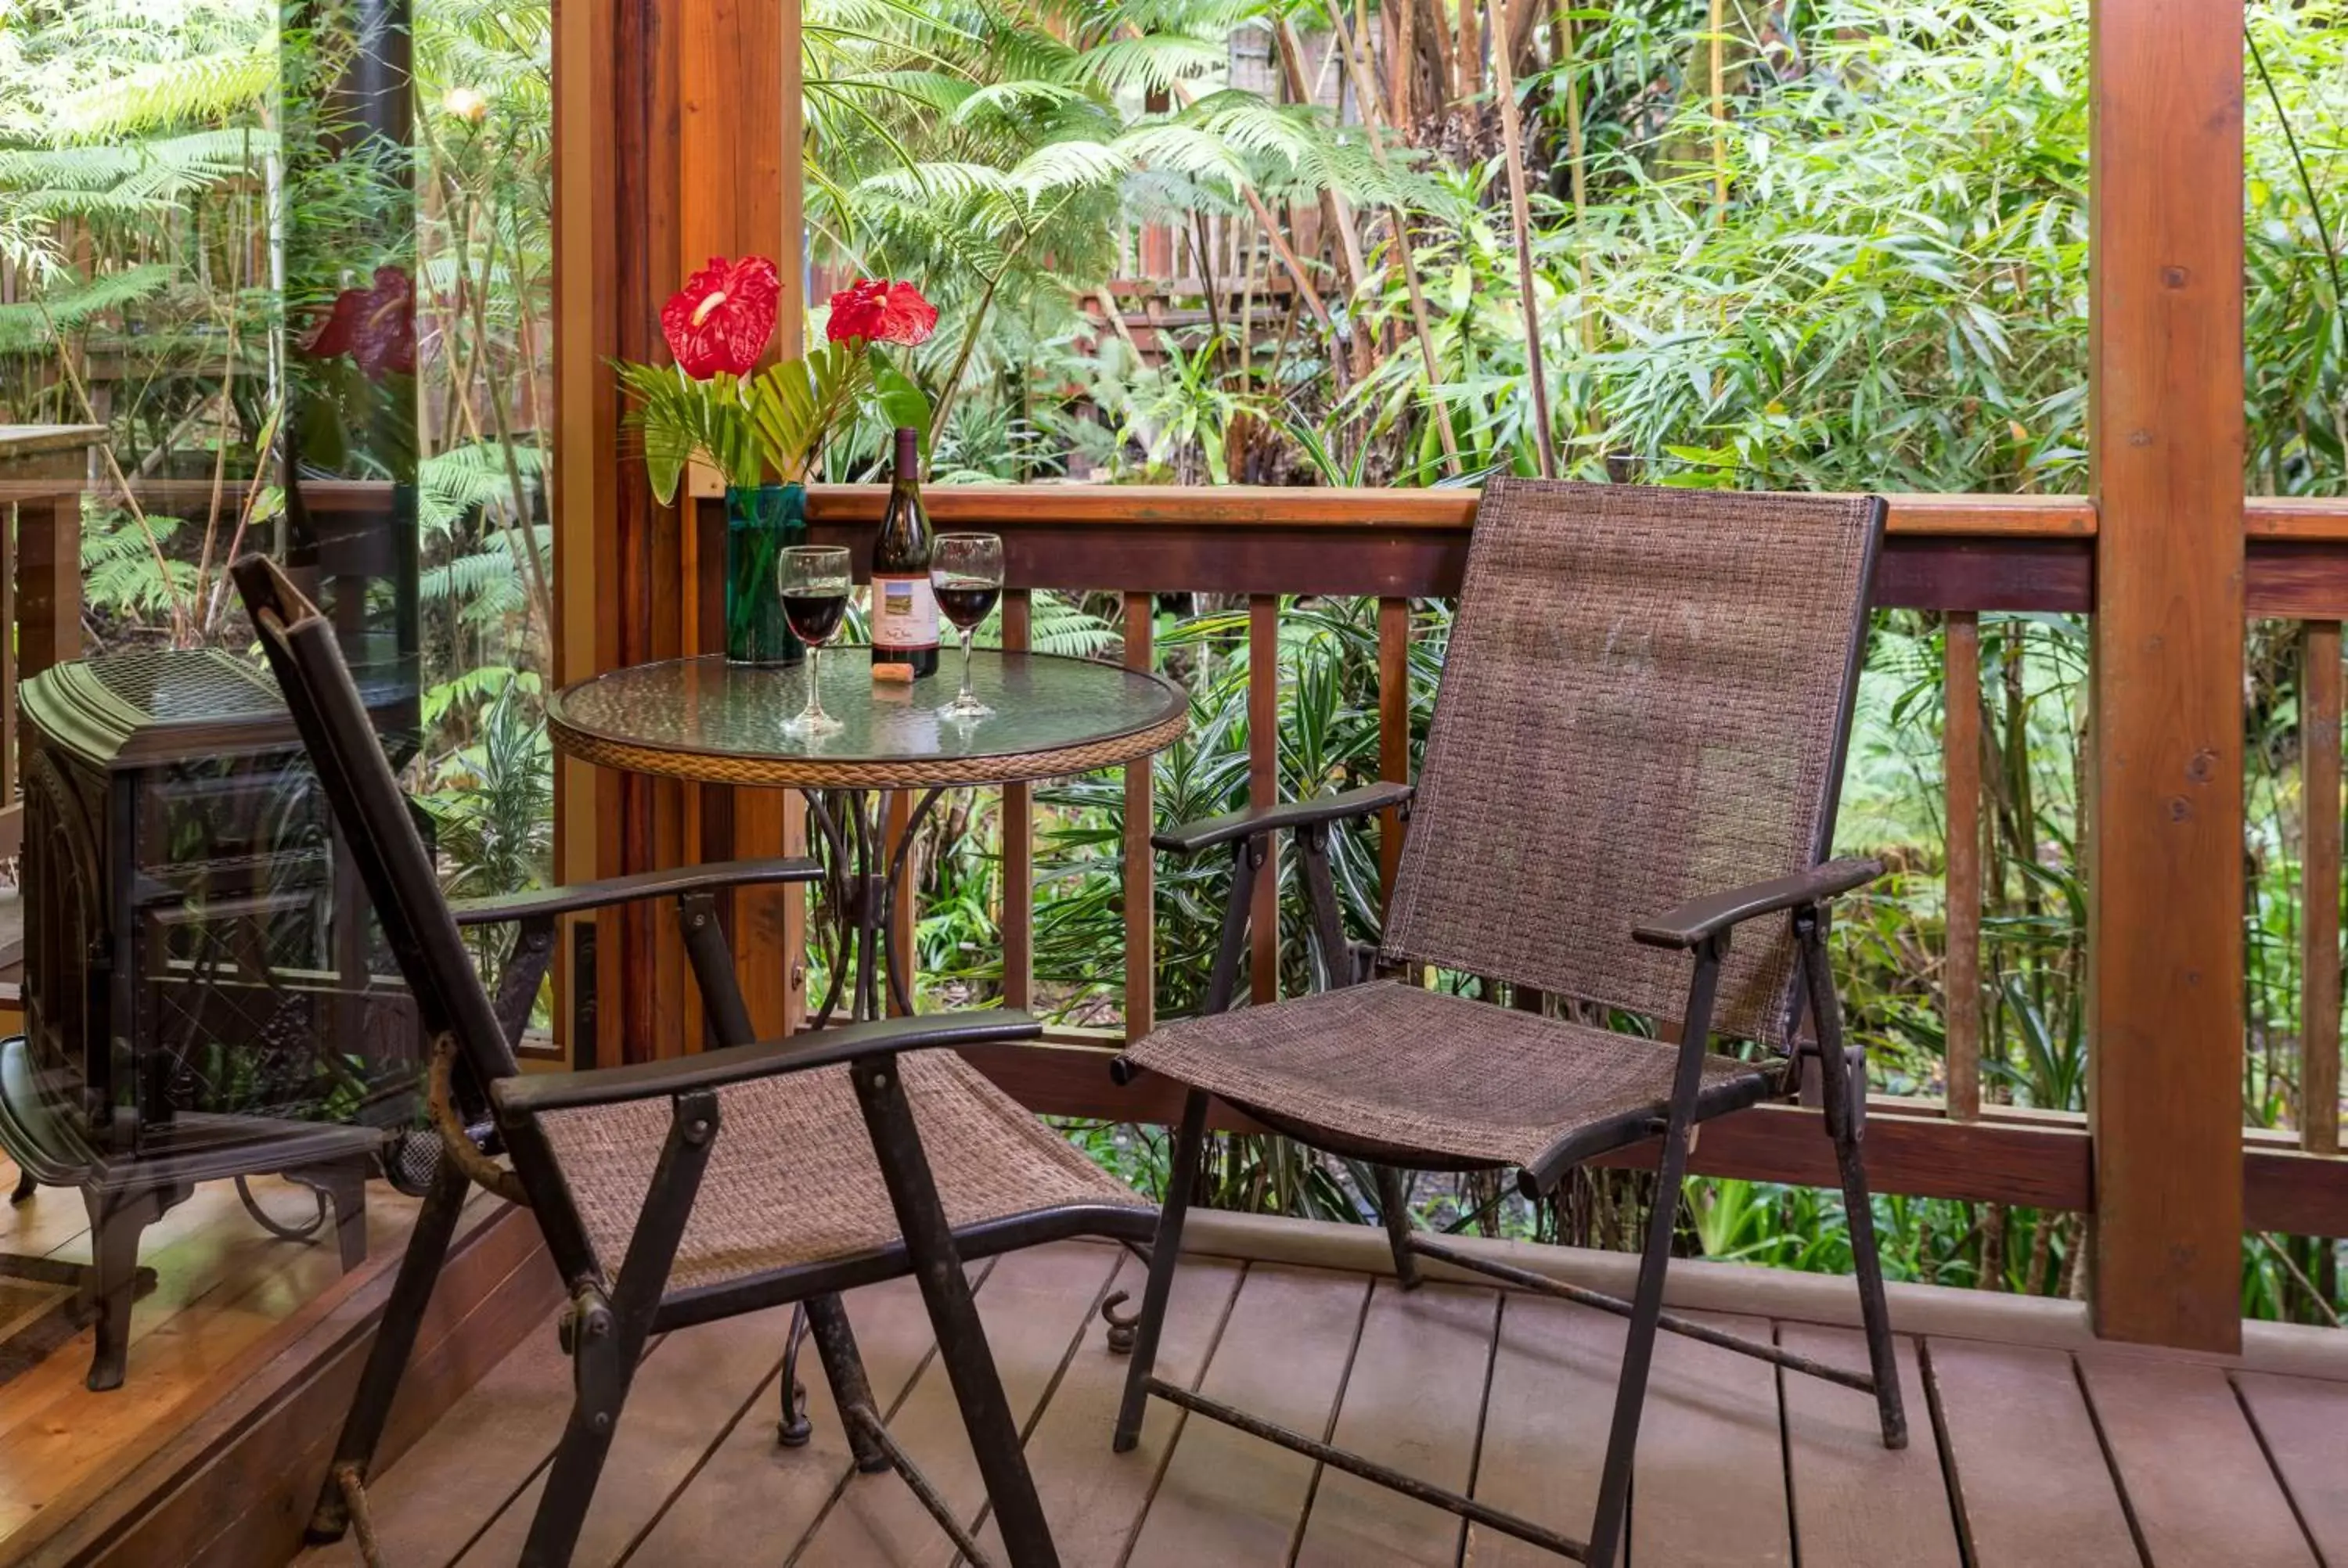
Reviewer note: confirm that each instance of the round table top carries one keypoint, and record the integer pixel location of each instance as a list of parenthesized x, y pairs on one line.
[(707, 719)]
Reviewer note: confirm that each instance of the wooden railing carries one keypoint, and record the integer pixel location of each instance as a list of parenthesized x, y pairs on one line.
[(40, 603), (1958, 554)]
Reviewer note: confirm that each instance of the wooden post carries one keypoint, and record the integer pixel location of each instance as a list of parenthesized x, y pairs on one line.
[(49, 582), (2165, 809), (1960, 765), (678, 126), (2319, 882), (741, 127)]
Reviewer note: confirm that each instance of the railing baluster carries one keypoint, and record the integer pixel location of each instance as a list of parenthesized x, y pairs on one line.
[(1394, 728), (1961, 758), (2319, 929), (1018, 841), (903, 915), (1140, 866), (1264, 788)]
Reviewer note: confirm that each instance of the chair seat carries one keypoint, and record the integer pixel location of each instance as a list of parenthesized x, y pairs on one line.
[(792, 1180), (1427, 1079)]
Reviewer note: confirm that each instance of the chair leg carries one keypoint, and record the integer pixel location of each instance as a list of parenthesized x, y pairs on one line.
[(1647, 1302), (1396, 1212), (1638, 1356), (25, 1187), (1845, 1085), (1860, 1214), (843, 1368), (995, 1436), (793, 1429), (1165, 1253), (395, 1341), (607, 1340)]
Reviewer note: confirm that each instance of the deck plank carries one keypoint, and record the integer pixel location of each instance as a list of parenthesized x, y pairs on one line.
[(224, 1286), (43, 1223), (1230, 1499), (2304, 1426), (1035, 1305), (2027, 1469), (1553, 1373), (751, 1477), (430, 1504), (2195, 1477), (1708, 1485), (686, 1394), (1094, 1499), (1856, 1502), (1414, 1402)]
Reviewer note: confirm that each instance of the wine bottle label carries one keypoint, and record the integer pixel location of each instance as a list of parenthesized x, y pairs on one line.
[(905, 614)]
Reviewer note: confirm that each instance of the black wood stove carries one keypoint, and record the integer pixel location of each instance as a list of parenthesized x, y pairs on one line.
[(204, 996)]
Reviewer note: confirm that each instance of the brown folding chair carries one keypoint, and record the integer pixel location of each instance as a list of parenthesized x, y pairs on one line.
[(678, 1192), (1636, 748)]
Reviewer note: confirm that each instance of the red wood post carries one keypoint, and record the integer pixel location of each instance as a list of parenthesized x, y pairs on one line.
[(2165, 814)]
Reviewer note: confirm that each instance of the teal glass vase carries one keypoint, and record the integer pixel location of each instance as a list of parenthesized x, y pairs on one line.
[(761, 522)]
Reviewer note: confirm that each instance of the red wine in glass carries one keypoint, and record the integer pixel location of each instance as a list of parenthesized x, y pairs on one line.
[(816, 581), (965, 580), (966, 601), (815, 616)]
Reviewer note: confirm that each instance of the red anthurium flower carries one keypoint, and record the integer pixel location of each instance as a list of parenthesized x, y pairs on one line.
[(376, 326), (724, 316), (876, 311)]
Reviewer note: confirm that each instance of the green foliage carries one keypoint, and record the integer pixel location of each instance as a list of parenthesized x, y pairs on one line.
[(681, 419), (796, 405)]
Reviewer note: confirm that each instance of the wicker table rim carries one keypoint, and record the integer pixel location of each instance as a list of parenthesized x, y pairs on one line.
[(892, 773)]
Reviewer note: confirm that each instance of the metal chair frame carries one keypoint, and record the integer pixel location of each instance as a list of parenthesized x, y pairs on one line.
[(1702, 929), (610, 1317)]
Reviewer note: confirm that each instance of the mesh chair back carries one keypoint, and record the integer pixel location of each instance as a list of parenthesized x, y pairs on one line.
[(1645, 699), (372, 814)]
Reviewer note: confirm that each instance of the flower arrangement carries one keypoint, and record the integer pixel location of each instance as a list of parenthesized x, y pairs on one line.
[(714, 403), (709, 405)]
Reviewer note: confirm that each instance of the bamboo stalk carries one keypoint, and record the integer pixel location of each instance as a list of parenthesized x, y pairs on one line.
[(1469, 61), (1520, 214), (1719, 113), (1420, 327), (1578, 165), (1336, 212)]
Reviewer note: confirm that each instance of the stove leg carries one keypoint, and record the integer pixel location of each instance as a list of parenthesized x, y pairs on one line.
[(117, 1220)]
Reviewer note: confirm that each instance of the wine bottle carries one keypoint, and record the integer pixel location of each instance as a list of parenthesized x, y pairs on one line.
[(905, 608)]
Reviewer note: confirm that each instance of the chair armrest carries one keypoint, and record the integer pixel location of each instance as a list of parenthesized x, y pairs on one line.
[(535, 1093), (1190, 837), (546, 902), (1701, 919)]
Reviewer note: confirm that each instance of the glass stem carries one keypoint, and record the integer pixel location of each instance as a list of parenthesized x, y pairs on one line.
[(965, 700), (815, 683)]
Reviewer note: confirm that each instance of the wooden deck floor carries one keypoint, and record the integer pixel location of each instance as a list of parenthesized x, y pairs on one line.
[(2045, 1453), (224, 1289)]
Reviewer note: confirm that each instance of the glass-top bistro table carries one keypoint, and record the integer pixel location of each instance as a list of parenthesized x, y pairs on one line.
[(714, 722)]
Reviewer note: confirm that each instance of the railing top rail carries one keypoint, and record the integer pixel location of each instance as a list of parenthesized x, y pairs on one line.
[(1444, 509)]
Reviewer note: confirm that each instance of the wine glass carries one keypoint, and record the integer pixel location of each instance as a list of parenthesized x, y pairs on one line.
[(815, 581), (966, 578)]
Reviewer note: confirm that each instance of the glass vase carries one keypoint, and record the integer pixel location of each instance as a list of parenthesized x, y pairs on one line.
[(761, 522)]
